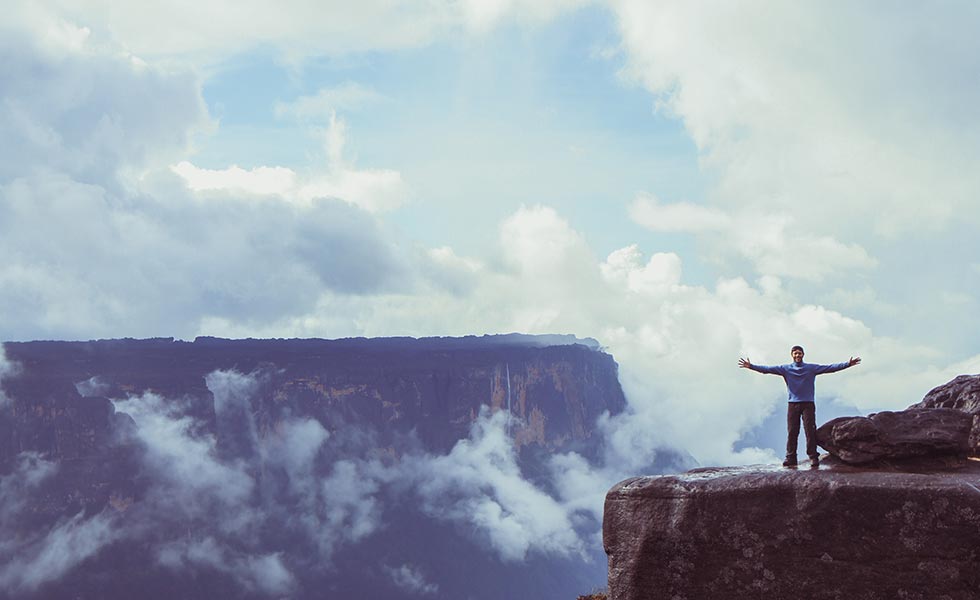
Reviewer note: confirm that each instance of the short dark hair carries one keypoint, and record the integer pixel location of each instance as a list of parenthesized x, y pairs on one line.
[(795, 348)]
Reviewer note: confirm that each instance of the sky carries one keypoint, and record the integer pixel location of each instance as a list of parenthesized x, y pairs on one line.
[(687, 182)]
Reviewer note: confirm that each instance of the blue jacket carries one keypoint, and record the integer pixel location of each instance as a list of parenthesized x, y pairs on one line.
[(799, 377)]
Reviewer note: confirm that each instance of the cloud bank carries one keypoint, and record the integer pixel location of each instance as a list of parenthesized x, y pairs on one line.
[(213, 509), (839, 213)]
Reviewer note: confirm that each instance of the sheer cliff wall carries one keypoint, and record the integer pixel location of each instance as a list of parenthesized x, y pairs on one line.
[(432, 387)]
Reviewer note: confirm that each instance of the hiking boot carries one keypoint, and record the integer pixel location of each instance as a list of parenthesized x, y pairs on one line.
[(814, 462), (790, 461)]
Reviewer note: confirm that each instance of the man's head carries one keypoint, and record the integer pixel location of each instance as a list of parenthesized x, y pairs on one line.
[(797, 353)]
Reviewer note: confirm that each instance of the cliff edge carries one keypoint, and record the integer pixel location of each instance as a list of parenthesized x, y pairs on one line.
[(840, 532), (894, 512)]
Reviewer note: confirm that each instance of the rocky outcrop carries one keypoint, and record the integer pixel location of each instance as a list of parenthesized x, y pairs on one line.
[(839, 532), (918, 434), (962, 393)]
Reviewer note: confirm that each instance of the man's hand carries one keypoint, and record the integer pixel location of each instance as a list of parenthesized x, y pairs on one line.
[(854, 360), (744, 363)]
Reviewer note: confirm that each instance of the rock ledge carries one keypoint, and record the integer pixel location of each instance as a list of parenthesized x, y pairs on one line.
[(838, 532)]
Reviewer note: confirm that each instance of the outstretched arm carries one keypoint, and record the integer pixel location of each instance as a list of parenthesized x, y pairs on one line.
[(854, 360), (745, 363)]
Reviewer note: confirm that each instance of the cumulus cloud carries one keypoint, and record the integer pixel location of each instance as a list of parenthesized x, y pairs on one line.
[(845, 137), (87, 165), (676, 343), (479, 484), (74, 107), (773, 243), (374, 190)]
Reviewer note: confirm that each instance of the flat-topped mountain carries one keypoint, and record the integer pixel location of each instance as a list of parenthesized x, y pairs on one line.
[(381, 468), (432, 386)]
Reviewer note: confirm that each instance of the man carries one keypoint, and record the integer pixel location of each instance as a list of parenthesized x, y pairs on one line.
[(799, 378)]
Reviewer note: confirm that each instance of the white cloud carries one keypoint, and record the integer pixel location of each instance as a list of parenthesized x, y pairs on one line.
[(211, 32), (91, 112), (677, 344), (349, 503), (844, 136), (260, 180), (774, 243), (264, 573), (410, 579), (59, 551), (482, 15), (29, 471), (328, 101), (86, 165), (814, 164), (677, 217), (191, 478), (93, 386), (479, 483), (374, 190), (7, 369), (44, 552)]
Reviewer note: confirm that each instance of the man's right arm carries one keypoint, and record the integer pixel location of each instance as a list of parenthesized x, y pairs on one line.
[(745, 363)]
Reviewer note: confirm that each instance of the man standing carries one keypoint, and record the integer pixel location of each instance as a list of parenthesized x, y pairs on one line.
[(799, 378)]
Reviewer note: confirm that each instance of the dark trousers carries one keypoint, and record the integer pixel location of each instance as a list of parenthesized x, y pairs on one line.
[(808, 411)]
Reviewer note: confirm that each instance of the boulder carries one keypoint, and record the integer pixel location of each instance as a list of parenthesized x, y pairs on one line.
[(962, 393), (839, 532), (894, 437)]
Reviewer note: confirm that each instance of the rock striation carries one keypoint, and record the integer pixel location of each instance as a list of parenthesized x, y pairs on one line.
[(917, 434), (839, 532)]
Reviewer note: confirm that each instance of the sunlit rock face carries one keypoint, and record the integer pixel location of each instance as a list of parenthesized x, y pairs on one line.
[(296, 468), (767, 532)]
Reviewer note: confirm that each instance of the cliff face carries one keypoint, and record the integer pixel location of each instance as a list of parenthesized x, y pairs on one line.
[(432, 387), (313, 450), (840, 532)]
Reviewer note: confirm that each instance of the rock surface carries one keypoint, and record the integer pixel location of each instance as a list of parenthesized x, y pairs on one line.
[(913, 434), (962, 393), (838, 532)]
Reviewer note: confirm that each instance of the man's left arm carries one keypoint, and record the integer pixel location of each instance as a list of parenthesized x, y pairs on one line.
[(837, 366)]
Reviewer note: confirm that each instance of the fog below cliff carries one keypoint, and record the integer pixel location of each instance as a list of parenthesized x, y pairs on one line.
[(250, 488)]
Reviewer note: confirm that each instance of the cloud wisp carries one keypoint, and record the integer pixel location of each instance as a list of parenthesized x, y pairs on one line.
[(35, 554), (248, 499), (7, 369)]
